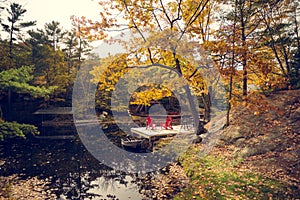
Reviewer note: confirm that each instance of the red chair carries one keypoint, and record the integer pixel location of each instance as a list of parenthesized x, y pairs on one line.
[(168, 124), (149, 123)]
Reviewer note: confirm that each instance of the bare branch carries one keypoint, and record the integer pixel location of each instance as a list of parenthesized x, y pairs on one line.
[(155, 65), (155, 17), (132, 20), (165, 12), (139, 31), (178, 14)]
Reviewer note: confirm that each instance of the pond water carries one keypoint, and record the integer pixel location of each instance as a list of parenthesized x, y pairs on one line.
[(73, 172)]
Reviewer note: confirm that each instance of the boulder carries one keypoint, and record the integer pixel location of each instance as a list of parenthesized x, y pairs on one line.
[(231, 135), (261, 147), (197, 140)]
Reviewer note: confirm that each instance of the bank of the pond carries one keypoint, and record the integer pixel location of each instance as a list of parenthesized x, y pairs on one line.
[(256, 157), (14, 188), (220, 176)]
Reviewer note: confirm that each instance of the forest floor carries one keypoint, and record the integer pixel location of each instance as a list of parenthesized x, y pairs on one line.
[(256, 157)]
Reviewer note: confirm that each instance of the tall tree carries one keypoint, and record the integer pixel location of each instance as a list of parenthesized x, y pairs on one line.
[(83, 48), (14, 24), (232, 66), (247, 24), (53, 71), (53, 67), (281, 34), (36, 42), (5, 61), (160, 30), (252, 56), (54, 34), (70, 51), (77, 47)]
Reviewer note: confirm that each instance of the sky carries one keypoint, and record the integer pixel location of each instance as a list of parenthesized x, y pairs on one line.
[(45, 11)]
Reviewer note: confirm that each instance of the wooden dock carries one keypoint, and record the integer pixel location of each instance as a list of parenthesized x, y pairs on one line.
[(157, 132), (56, 137)]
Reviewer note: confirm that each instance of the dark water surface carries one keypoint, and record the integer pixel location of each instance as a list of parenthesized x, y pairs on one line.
[(73, 172)]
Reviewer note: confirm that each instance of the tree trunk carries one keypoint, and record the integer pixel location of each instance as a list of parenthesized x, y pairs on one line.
[(9, 99), (244, 55), (11, 44), (229, 101), (231, 68), (1, 113), (193, 108), (207, 104), (245, 79)]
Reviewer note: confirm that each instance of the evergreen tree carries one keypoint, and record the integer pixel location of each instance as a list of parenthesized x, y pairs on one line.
[(36, 41), (14, 25), (17, 80), (50, 63), (54, 34), (71, 51)]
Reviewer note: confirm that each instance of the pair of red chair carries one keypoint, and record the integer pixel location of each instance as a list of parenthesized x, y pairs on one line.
[(167, 125)]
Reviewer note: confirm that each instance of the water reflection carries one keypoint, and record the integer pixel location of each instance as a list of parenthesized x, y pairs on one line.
[(121, 188), (72, 171)]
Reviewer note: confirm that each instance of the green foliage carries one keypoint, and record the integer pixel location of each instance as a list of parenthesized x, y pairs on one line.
[(17, 80), (53, 66), (14, 129)]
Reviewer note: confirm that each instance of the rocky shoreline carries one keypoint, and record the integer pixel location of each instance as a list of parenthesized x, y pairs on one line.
[(12, 187), (165, 184)]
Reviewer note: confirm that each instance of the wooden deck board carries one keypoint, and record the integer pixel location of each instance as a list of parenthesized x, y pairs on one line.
[(56, 137), (157, 132)]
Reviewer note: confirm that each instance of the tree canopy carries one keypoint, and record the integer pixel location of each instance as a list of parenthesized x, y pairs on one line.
[(252, 43), (236, 45)]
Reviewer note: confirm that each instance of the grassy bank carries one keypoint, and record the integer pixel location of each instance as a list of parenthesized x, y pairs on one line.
[(221, 176)]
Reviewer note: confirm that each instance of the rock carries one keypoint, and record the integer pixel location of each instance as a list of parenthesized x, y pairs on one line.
[(197, 140), (239, 142), (231, 135), (262, 147), (294, 119), (166, 185), (62, 197), (31, 188)]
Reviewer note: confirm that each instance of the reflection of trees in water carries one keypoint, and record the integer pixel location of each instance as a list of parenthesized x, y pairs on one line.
[(109, 180), (67, 164)]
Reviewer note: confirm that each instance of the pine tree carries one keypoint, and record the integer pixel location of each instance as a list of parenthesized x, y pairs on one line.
[(54, 34), (14, 25)]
